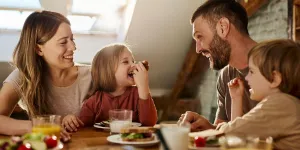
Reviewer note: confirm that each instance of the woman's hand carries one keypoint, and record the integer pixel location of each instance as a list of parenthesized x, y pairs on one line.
[(65, 136), (71, 123), (141, 80)]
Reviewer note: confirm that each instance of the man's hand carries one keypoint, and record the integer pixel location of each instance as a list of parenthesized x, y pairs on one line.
[(198, 122)]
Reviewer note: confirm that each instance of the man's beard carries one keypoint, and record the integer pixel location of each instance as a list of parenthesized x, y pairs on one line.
[(220, 52)]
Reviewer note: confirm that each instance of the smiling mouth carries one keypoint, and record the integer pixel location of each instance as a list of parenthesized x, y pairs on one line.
[(68, 57), (207, 55), (130, 74)]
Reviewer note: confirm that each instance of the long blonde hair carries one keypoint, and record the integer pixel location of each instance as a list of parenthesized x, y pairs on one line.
[(104, 68), (38, 28)]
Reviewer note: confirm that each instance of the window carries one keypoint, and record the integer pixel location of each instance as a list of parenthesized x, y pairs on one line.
[(86, 16)]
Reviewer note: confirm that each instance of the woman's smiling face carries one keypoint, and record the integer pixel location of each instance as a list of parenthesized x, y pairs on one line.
[(59, 50)]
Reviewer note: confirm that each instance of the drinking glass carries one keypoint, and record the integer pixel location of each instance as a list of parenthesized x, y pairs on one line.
[(119, 118), (47, 124), (176, 137)]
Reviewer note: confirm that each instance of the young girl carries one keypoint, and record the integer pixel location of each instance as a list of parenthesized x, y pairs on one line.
[(113, 88), (274, 72)]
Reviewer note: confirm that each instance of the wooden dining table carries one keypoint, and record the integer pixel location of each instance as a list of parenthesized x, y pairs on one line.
[(94, 139), (91, 138)]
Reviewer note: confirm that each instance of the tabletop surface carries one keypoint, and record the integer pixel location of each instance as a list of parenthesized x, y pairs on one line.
[(94, 139)]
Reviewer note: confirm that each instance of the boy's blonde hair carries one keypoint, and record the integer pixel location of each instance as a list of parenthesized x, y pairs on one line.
[(104, 67), (279, 55)]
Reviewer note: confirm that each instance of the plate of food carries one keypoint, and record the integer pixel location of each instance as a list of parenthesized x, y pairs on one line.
[(138, 136), (105, 125), (31, 141), (204, 139)]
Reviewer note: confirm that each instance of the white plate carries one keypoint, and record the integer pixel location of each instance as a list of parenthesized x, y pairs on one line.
[(133, 124), (203, 148), (117, 139)]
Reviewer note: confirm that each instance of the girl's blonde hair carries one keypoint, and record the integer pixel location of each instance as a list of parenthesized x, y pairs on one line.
[(104, 67), (282, 56), (38, 28)]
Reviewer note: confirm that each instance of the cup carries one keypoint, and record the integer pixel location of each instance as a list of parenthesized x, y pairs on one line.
[(235, 142), (119, 118), (176, 137), (47, 124)]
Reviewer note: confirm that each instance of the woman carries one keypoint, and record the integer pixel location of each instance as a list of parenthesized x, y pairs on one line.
[(46, 79)]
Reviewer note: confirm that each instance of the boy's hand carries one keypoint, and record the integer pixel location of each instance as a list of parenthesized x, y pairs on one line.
[(140, 77), (71, 123), (236, 89)]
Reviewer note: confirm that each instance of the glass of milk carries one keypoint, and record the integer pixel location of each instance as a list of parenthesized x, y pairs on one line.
[(176, 137), (119, 118)]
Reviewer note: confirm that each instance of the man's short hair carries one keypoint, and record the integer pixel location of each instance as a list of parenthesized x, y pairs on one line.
[(214, 10)]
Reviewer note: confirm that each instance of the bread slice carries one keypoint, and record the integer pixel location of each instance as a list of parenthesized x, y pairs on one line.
[(139, 140), (138, 130), (137, 134)]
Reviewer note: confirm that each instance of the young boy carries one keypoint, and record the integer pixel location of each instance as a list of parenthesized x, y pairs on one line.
[(274, 72)]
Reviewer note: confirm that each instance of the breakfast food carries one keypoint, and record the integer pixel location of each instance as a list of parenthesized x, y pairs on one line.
[(29, 141), (146, 65), (137, 134), (205, 138), (103, 123)]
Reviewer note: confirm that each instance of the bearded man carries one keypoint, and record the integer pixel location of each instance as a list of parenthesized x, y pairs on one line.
[(221, 34)]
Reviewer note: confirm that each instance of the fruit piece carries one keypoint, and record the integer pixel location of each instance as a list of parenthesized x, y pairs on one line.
[(25, 146), (4, 145), (37, 145), (34, 136), (51, 141), (146, 64), (199, 141), (16, 139)]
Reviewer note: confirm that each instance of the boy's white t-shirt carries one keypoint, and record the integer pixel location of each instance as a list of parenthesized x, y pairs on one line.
[(63, 100)]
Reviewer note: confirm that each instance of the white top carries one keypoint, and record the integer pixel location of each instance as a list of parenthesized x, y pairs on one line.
[(63, 100)]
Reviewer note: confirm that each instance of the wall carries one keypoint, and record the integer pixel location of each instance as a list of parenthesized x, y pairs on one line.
[(269, 22), (159, 32)]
